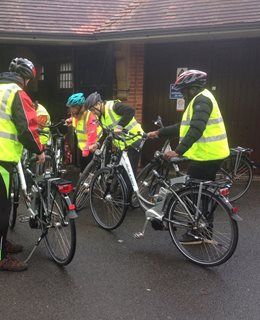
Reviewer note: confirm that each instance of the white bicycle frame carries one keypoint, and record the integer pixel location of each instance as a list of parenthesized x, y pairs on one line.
[(125, 162)]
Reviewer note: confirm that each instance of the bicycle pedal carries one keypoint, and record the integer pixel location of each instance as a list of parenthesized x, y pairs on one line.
[(138, 235), (24, 219)]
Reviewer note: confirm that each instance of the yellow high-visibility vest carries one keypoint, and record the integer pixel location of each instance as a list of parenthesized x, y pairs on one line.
[(110, 120), (10, 147), (213, 144), (41, 111), (81, 129)]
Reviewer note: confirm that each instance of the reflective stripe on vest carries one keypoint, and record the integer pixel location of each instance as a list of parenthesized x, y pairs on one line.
[(10, 147), (7, 91), (110, 120), (213, 144)]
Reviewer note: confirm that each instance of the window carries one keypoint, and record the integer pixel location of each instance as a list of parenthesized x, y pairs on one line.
[(42, 74), (65, 76)]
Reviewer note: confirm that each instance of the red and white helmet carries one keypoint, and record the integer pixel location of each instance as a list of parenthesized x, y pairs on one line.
[(190, 78)]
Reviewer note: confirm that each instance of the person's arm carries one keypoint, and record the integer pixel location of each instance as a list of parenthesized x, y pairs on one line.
[(170, 131), (202, 109), (127, 113), (166, 132), (25, 121)]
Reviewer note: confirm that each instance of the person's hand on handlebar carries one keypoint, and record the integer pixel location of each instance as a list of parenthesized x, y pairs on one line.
[(153, 134), (170, 154), (68, 122), (41, 158), (118, 130)]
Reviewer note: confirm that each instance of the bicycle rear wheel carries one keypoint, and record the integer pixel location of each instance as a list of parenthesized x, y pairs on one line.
[(209, 240), (81, 194), (240, 177), (15, 190), (60, 239), (108, 199)]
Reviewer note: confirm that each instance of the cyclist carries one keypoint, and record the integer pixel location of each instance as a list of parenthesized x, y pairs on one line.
[(44, 120), (18, 128), (202, 132), (117, 115), (86, 127)]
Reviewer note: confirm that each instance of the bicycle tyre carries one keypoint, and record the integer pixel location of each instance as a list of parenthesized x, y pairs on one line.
[(108, 212), (217, 230), (15, 195), (81, 193), (60, 238), (240, 180)]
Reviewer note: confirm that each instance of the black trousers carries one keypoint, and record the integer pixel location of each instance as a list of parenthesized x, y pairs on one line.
[(6, 171), (204, 170)]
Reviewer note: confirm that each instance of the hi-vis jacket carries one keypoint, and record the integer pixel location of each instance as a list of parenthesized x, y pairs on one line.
[(44, 119), (213, 144), (110, 119), (18, 121), (87, 131)]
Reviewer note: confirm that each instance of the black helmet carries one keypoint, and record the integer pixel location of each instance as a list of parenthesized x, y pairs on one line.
[(92, 100), (190, 78), (23, 67)]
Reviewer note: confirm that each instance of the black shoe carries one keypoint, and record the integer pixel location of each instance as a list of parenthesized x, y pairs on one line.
[(158, 225), (191, 237)]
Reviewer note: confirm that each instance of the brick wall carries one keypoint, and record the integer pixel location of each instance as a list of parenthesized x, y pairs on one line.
[(130, 75), (136, 78)]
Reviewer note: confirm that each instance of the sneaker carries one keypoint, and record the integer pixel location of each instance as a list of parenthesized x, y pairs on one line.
[(190, 237), (11, 247), (10, 263)]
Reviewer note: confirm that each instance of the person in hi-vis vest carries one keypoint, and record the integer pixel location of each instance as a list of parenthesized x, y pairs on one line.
[(202, 136), (44, 120), (116, 115), (86, 128), (202, 133), (18, 129)]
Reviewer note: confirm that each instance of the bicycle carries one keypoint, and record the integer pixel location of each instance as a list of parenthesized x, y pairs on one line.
[(19, 181), (237, 170), (15, 195), (111, 186), (55, 149), (201, 210), (109, 201), (50, 210), (100, 159)]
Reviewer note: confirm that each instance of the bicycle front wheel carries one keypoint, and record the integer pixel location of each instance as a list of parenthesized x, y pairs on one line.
[(81, 194), (240, 176), (108, 199), (15, 188), (203, 232), (60, 238)]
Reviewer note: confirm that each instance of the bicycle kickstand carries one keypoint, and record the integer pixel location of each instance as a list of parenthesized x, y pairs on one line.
[(139, 235), (36, 245)]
